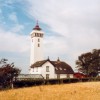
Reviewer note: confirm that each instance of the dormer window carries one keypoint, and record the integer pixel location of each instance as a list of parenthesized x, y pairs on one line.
[(56, 68), (60, 68)]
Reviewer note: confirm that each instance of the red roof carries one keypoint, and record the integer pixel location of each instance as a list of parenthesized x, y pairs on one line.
[(79, 75), (37, 27)]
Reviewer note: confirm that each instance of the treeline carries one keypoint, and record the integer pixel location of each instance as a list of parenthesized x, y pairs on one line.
[(87, 63)]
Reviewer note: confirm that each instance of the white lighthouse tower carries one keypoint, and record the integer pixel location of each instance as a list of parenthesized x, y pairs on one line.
[(36, 44)]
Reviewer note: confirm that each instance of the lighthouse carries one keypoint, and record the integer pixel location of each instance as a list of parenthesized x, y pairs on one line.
[(45, 68), (36, 44)]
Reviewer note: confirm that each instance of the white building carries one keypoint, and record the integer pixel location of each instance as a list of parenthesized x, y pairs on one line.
[(52, 69), (47, 68), (36, 45)]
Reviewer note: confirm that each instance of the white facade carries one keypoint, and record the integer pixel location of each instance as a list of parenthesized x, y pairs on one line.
[(51, 73), (36, 46)]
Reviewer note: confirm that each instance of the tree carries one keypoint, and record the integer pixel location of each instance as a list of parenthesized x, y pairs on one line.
[(89, 63), (7, 73)]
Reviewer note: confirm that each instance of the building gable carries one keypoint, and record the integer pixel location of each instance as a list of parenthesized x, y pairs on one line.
[(59, 66)]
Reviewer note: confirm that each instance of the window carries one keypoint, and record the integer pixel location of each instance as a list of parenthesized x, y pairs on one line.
[(60, 68), (38, 40), (41, 35), (68, 75), (47, 76), (58, 76), (47, 68), (38, 45), (56, 68), (35, 34)]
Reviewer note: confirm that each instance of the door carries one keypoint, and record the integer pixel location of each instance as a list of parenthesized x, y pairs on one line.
[(58, 76), (47, 76)]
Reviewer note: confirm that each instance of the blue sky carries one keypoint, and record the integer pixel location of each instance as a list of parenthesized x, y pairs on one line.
[(71, 28)]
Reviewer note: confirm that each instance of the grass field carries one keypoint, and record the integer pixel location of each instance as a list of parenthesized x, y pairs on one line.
[(74, 91)]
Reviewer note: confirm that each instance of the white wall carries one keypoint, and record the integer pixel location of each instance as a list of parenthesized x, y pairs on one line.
[(36, 70), (51, 70), (64, 75), (71, 76), (52, 75), (36, 52), (42, 70)]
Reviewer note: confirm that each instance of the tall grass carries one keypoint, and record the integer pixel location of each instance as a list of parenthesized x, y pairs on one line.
[(74, 91)]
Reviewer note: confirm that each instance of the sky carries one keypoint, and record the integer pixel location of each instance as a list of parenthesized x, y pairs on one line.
[(71, 27)]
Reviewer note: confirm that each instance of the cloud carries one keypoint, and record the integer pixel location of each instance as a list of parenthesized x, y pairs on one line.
[(75, 25), (65, 17), (15, 47), (17, 28), (6, 3), (55, 46), (76, 21), (12, 42), (13, 17)]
